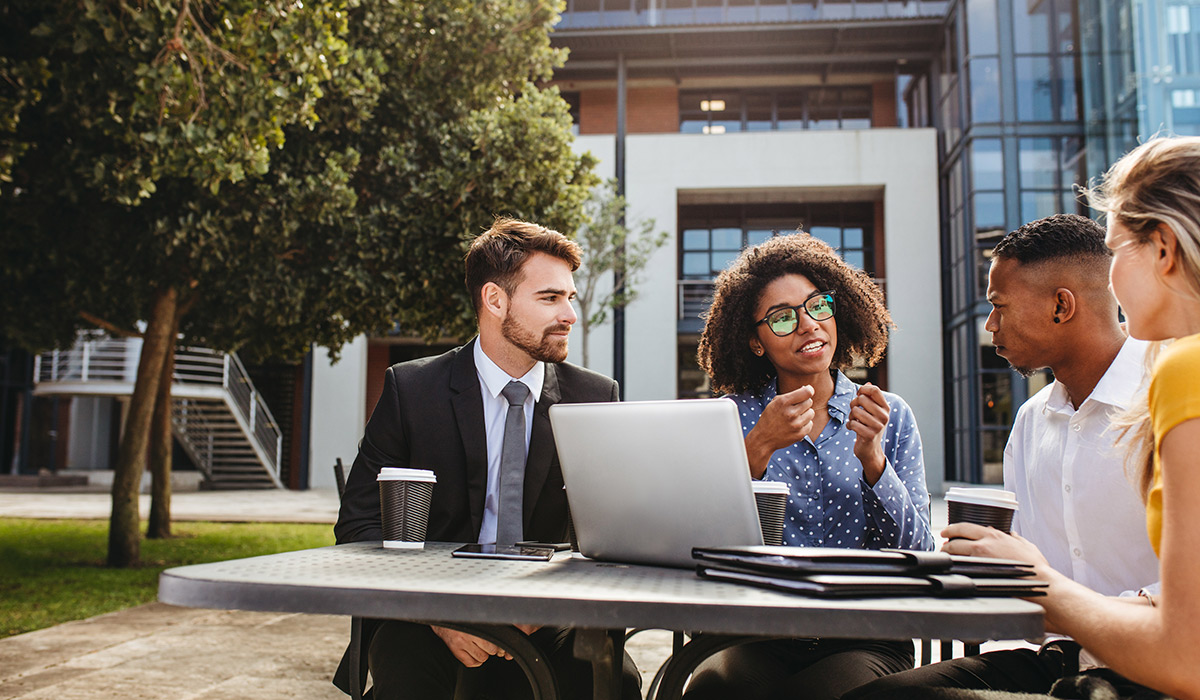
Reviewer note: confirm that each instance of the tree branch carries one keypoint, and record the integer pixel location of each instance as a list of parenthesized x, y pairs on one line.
[(110, 327)]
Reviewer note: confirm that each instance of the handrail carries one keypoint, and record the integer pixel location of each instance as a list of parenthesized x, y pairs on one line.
[(99, 359)]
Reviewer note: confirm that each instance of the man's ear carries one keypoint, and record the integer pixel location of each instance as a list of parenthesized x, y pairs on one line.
[(1064, 305), (495, 301)]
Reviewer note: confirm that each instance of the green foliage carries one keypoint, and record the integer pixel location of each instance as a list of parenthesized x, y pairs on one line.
[(611, 245), (299, 172), (52, 571)]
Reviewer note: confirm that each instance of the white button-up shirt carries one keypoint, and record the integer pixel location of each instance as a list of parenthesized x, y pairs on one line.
[(492, 381), (1068, 471)]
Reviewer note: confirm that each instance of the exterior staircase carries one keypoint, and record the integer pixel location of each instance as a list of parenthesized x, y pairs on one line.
[(216, 414)]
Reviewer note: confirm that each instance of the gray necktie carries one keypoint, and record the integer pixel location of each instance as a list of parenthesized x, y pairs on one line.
[(509, 526)]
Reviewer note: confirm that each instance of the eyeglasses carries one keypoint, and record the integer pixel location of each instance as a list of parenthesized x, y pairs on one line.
[(782, 322)]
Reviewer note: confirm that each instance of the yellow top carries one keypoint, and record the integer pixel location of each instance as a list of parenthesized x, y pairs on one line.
[(1174, 398)]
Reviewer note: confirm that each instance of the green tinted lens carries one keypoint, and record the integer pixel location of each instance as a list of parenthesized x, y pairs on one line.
[(782, 321), (820, 307)]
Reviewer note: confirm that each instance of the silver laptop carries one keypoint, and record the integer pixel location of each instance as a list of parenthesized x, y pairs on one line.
[(649, 480)]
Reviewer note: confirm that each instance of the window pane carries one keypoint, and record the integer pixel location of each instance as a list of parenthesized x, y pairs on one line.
[(854, 258), (756, 236), (1068, 108), (1034, 89), (723, 259), (727, 239), (1039, 163), (985, 89), (987, 164), (1031, 27), (981, 27), (852, 237), (695, 239), (997, 397), (696, 264), (989, 217), (830, 234), (1038, 205)]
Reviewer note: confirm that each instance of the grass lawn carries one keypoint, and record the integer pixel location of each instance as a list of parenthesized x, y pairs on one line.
[(52, 571)]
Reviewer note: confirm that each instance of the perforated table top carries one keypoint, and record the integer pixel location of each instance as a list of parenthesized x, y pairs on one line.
[(366, 580)]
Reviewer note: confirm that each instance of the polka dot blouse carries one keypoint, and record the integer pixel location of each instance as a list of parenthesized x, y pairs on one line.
[(830, 504)]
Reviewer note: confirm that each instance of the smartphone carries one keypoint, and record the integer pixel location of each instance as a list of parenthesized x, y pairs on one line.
[(556, 546), (491, 551)]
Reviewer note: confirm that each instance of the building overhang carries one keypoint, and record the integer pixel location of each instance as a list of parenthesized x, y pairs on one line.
[(826, 48)]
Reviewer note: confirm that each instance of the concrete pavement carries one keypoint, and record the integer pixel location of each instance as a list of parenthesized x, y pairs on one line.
[(164, 651)]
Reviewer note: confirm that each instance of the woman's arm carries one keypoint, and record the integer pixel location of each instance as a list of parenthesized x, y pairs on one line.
[(1159, 645), (898, 501), (784, 421)]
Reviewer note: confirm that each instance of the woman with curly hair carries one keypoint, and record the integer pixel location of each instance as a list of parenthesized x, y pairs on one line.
[(787, 317)]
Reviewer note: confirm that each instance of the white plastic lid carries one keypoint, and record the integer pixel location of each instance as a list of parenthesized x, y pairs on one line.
[(404, 474), (983, 497), (769, 487)]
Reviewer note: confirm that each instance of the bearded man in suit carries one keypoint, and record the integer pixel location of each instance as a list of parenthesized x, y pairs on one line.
[(448, 414)]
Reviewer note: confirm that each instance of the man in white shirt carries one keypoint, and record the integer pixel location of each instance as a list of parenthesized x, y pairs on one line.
[(1051, 307)]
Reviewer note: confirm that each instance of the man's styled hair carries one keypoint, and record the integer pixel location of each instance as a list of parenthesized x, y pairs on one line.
[(1059, 237), (499, 253)]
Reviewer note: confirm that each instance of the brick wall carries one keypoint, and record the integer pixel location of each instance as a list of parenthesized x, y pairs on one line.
[(883, 104), (648, 111)]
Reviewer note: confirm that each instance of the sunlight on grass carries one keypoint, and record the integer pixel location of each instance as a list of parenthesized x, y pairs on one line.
[(52, 571)]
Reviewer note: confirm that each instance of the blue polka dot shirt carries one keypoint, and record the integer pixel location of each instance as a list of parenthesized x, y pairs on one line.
[(830, 504)]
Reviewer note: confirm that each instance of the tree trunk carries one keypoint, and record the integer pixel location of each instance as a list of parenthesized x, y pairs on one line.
[(161, 443), (583, 341), (124, 545)]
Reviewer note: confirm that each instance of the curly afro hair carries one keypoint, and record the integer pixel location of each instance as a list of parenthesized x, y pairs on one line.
[(862, 319)]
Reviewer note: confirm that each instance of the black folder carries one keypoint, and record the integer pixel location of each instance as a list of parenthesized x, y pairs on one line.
[(828, 572)]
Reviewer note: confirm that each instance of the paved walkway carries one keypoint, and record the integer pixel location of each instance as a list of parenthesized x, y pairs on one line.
[(162, 651)]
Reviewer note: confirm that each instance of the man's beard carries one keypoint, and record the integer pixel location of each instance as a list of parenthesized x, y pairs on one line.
[(1026, 372), (547, 348)]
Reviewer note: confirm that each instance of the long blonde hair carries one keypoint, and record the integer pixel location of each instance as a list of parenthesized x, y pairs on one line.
[(1156, 184)]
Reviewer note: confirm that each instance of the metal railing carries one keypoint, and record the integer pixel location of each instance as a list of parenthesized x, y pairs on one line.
[(95, 358), (695, 296), (650, 13)]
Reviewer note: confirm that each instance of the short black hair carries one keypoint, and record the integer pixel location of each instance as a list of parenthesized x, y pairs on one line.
[(1054, 238)]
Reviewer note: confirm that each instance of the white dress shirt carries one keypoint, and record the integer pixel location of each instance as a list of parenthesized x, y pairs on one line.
[(1068, 471), (492, 381)]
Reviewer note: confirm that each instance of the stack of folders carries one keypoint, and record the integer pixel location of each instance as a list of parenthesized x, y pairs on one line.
[(835, 573)]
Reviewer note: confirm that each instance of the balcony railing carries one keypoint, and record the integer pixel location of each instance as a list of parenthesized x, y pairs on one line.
[(652, 13)]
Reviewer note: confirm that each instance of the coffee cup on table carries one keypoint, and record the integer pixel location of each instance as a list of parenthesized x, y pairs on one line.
[(404, 497), (982, 506), (771, 499)]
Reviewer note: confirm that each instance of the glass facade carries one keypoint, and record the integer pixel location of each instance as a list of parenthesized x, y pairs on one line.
[(1009, 106)]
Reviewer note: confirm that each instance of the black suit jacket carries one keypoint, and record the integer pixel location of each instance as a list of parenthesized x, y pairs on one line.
[(430, 416)]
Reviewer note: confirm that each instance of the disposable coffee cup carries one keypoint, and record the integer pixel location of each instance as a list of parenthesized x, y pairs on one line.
[(404, 497), (991, 507), (771, 499)]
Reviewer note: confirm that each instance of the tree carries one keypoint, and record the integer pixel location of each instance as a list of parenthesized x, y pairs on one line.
[(609, 245), (262, 176)]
